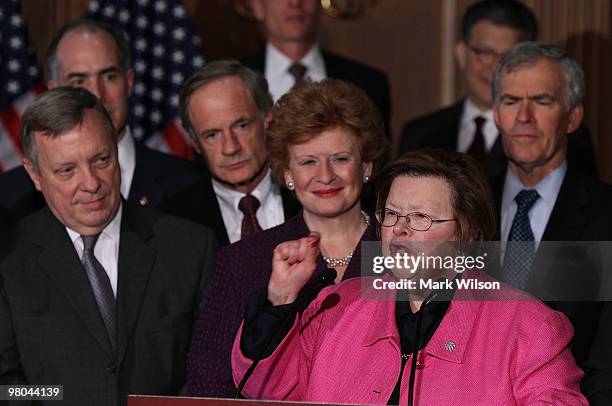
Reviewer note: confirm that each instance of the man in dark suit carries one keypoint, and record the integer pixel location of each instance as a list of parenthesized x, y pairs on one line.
[(292, 53), (225, 107), (7, 237), (538, 91), (489, 28), (92, 55), (100, 295)]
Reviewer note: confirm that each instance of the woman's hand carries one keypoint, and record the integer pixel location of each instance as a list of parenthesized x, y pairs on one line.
[(293, 264)]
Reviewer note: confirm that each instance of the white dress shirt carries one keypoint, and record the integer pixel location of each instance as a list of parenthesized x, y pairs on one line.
[(269, 214), (126, 151), (277, 69), (467, 127), (548, 189), (106, 250)]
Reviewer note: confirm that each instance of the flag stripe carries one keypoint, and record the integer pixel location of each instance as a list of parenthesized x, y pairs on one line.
[(10, 157), (20, 81), (165, 52), (23, 101), (176, 141), (11, 122)]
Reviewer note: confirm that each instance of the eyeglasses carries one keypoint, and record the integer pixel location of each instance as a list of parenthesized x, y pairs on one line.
[(485, 55), (416, 221)]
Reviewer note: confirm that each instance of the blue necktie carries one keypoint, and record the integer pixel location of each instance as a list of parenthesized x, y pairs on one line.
[(520, 249), (100, 285)]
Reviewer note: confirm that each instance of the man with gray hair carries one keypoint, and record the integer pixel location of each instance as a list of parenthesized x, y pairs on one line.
[(100, 295), (489, 28), (225, 107), (90, 54), (537, 94)]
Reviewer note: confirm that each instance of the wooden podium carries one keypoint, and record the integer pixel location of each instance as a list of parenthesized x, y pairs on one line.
[(141, 400)]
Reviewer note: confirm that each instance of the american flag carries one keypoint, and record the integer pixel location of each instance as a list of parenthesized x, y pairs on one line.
[(165, 52), (20, 81)]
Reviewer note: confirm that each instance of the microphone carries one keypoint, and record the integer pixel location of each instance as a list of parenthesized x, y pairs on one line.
[(415, 351), (305, 296)]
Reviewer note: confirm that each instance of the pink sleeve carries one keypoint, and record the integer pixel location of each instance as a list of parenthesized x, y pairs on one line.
[(546, 373), (276, 377)]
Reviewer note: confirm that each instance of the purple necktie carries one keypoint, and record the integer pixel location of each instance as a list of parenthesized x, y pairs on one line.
[(100, 285), (477, 149), (249, 205), (297, 70)]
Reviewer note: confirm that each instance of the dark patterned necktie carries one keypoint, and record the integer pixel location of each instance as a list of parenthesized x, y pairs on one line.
[(297, 70), (520, 249), (100, 286), (477, 149), (249, 205)]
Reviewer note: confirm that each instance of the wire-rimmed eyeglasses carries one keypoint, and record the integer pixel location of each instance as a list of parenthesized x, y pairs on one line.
[(485, 55), (416, 220)]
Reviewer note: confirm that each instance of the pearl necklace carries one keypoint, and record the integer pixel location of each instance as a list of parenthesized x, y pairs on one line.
[(344, 261)]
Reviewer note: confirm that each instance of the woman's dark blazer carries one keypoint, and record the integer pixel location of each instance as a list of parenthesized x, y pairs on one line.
[(241, 269)]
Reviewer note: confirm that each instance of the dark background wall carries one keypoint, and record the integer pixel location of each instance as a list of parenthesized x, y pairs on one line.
[(411, 40)]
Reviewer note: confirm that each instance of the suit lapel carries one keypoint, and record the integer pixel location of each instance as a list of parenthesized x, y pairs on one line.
[(136, 260), (496, 159), (569, 215), (212, 211), (144, 181), (60, 262), (258, 62), (332, 68), (449, 136), (497, 190)]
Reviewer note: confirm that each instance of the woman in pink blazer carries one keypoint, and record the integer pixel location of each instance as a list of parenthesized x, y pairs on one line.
[(464, 351)]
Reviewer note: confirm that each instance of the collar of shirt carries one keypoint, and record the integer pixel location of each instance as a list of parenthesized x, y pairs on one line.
[(467, 127), (548, 189), (277, 69), (126, 151), (106, 250), (269, 214)]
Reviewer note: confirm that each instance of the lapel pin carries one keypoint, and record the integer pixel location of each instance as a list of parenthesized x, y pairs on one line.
[(144, 200), (449, 346)]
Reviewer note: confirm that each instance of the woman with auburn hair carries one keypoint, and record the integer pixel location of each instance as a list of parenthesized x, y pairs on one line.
[(468, 349), (325, 142)]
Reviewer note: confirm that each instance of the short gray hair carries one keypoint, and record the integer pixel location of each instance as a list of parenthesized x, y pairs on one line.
[(91, 26), (254, 81), (528, 53), (56, 112)]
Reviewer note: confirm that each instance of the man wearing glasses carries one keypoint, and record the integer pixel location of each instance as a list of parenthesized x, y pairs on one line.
[(488, 29)]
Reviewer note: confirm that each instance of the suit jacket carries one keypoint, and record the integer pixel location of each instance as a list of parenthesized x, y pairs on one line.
[(440, 129), (347, 350), (199, 204), (581, 213), (157, 176), (241, 269), (51, 331), (373, 81), (8, 229)]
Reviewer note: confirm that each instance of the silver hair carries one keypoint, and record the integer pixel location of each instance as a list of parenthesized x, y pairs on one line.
[(254, 82), (528, 53), (56, 112)]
